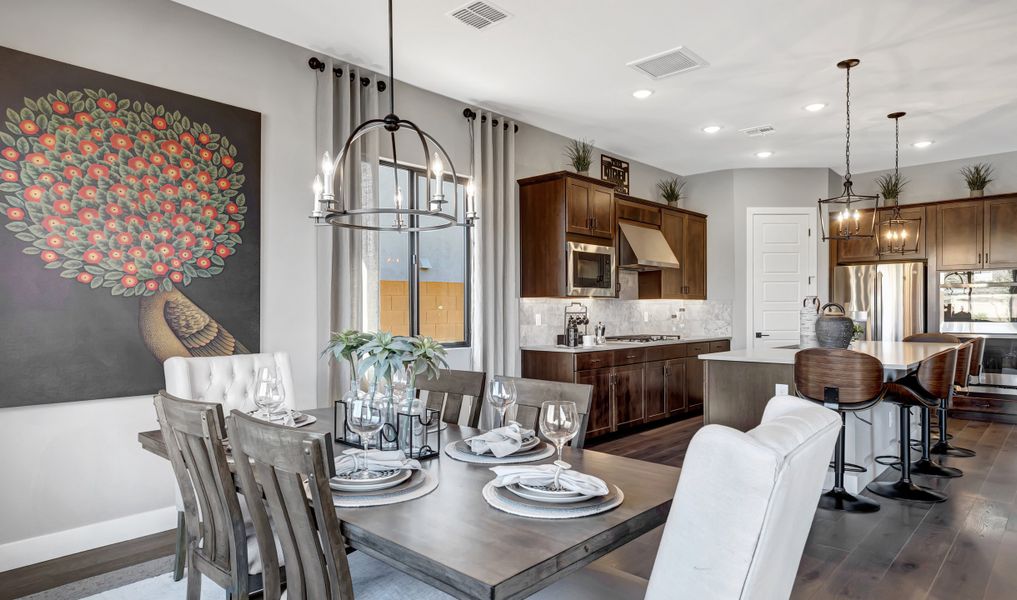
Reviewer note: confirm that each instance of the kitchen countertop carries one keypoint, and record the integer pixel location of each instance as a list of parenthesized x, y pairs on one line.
[(623, 345), (894, 355)]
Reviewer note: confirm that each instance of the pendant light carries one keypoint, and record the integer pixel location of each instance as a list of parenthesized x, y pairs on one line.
[(898, 235), (435, 212), (843, 211)]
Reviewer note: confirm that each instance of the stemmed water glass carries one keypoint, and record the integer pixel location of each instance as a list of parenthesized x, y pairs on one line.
[(502, 396), (366, 419), (263, 391), (559, 422)]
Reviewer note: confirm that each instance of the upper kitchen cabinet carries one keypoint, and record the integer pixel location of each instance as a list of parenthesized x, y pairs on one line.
[(554, 210), (874, 249), (589, 206), (1000, 243), (860, 249), (685, 233), (959, 241)]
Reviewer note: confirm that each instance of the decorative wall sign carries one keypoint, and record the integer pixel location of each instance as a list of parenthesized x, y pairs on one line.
[(616, 171), (131, 231)]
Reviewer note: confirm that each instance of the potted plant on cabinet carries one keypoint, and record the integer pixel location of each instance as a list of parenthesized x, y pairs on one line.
[(671, 189), (580, 155), (977, 176), (891, 185)]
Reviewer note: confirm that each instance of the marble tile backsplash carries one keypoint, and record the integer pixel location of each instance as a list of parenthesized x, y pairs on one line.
[(541, 319)]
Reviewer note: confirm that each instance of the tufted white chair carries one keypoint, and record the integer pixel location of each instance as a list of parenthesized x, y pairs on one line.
[(741, 513), (228, 380)]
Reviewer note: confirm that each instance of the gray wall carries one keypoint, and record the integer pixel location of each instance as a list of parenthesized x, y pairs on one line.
[(942, 181)]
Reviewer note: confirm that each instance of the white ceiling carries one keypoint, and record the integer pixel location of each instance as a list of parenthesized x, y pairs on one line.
[(560, 65)]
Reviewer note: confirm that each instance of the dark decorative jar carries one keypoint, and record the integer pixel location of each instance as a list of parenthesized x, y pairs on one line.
[(834, 330)]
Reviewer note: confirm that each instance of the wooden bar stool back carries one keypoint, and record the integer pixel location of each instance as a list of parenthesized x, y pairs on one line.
[(965, 360), (844, 381), (924, 389)]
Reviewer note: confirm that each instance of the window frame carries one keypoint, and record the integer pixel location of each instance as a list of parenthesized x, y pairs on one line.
[(413, 254)]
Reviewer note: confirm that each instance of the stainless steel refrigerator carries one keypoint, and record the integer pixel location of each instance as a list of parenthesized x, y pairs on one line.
[(887, 299)]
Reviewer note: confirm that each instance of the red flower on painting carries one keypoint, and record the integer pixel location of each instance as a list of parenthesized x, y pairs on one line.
[(169, 189), (72, 234), (160, 268), (209, 211), (137, 252), (89, 192), (28, 127), (119, 189), (223, 251), (171, 172), (10, 153), (120, 141), (87, 215), (116, 254), (137, 163), (62, 206), (176, 276), (110, 158), (49, 256), (157, 159), (189, 240), (37, 159), (9, 176), (48, 139), (154, 217), (165, 250), (115, 122), (15, 214), (204, 138), (224, 184), (84, 277), (159, 123), (34, 193), (179, 220), (92, 256), (55, 241), (46, 178), (128, 281), (98, 171), (186, 163), (130, 267), (60, 108), (151, 285), (227, 160), (204, 263), (86, 147), (67, 129), (114, 210), (205, 154), (185, 255), (71, 172), (134, 220), (94, 237), (81, 118), (96, 134), (171, 147), (187, 138), (124, 238), (52, 222), (106, 104)]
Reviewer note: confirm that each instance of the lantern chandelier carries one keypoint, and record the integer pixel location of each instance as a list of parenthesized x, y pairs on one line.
[(333, 208), (843, 211), (897, 231)]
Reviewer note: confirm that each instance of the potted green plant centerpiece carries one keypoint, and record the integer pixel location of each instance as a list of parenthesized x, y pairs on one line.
[(891, 185), (346, 345), (580, 155), (670, 190), (977, 176)]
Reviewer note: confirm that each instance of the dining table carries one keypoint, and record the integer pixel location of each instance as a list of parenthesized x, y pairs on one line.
[(453, 540)]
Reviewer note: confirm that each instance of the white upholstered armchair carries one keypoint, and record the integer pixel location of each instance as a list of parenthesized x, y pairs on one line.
[(741, 514)]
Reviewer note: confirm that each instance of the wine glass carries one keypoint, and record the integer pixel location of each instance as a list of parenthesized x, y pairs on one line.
[(366, 419), (263, 385), (502, 396), (277, 410), (559, 422)]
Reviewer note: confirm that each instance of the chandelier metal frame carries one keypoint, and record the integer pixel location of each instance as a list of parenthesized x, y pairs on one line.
[(896, 227)]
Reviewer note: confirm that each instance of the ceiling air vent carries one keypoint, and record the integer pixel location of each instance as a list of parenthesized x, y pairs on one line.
[(671, 62), (479, 15), (758, 131)]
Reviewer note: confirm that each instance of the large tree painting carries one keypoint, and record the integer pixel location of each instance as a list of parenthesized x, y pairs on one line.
[(131, 231)]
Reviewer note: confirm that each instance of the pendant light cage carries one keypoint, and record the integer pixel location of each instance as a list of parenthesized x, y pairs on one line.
[(435, 212), (898, 235), (844, 212)]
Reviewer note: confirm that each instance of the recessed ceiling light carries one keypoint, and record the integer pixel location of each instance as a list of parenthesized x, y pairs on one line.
[(922, 144), (818, 106), (641, 94), (764, 154), (711, 128)]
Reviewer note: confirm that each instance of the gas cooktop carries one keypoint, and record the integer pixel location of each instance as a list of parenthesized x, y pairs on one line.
[(642, 338)]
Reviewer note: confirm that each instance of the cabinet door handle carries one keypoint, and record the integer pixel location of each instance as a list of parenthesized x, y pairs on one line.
[(987, 261), (631, 355), (979, 258)]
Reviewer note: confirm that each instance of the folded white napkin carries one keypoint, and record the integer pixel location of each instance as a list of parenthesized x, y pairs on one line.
[(501, 441), (538, 475), (377, 460)]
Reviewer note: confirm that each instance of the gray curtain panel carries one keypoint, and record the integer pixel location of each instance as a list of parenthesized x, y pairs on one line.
[(495, 270), (350, 293)]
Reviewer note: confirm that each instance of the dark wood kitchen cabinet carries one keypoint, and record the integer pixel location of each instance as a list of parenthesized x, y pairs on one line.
[(959, 241), (1000, 242), (628, 396), (601, 419), (589, 208), (695, 257), (685, 233)]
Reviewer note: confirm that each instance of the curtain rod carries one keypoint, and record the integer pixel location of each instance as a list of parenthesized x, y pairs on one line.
[(316, 64), (470, 114)]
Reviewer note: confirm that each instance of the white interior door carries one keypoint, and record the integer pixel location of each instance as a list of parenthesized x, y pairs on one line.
[(782, 273)]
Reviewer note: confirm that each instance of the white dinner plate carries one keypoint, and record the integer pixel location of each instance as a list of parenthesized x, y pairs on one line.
[(531, 493), (390, 478)]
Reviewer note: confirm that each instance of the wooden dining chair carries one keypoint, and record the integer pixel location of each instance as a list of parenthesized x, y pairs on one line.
[(531, 393), (217, 541), (845, 381), (446, 393), (284, 473)]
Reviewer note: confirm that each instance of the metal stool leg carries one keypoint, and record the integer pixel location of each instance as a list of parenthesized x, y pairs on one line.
[(943, 446), (838, 498), (904, 488), (925, 465)]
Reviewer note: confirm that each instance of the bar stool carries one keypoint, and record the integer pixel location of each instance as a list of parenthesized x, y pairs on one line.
[(960, 380), (933, 381), (925, 468), (844, 381)]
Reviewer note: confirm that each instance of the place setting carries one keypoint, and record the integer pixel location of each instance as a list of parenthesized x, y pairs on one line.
[(553, 491), (367, 477), (269, 395), (508, 443)]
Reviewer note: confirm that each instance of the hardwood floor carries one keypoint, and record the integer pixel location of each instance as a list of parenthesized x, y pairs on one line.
[(962, 549)]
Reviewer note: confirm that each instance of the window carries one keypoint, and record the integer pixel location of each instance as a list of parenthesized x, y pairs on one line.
[(423, 277)]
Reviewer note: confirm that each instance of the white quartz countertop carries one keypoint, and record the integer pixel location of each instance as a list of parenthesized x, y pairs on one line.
[(894, 355), (623, 345)]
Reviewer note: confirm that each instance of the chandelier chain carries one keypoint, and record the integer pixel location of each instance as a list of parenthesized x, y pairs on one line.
[(896, 146), (847, 138), (391, 63)]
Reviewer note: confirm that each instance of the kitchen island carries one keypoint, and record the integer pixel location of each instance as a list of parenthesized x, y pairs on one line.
[(738, 384)]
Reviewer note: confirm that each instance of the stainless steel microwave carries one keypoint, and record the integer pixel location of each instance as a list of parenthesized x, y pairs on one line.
[(591, 270)]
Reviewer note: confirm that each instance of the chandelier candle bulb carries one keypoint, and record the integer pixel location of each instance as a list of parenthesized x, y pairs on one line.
[(327, 171), (471, 197), (316, 187)]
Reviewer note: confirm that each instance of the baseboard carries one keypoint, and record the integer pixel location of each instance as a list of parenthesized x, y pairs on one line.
[(71, 541)]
